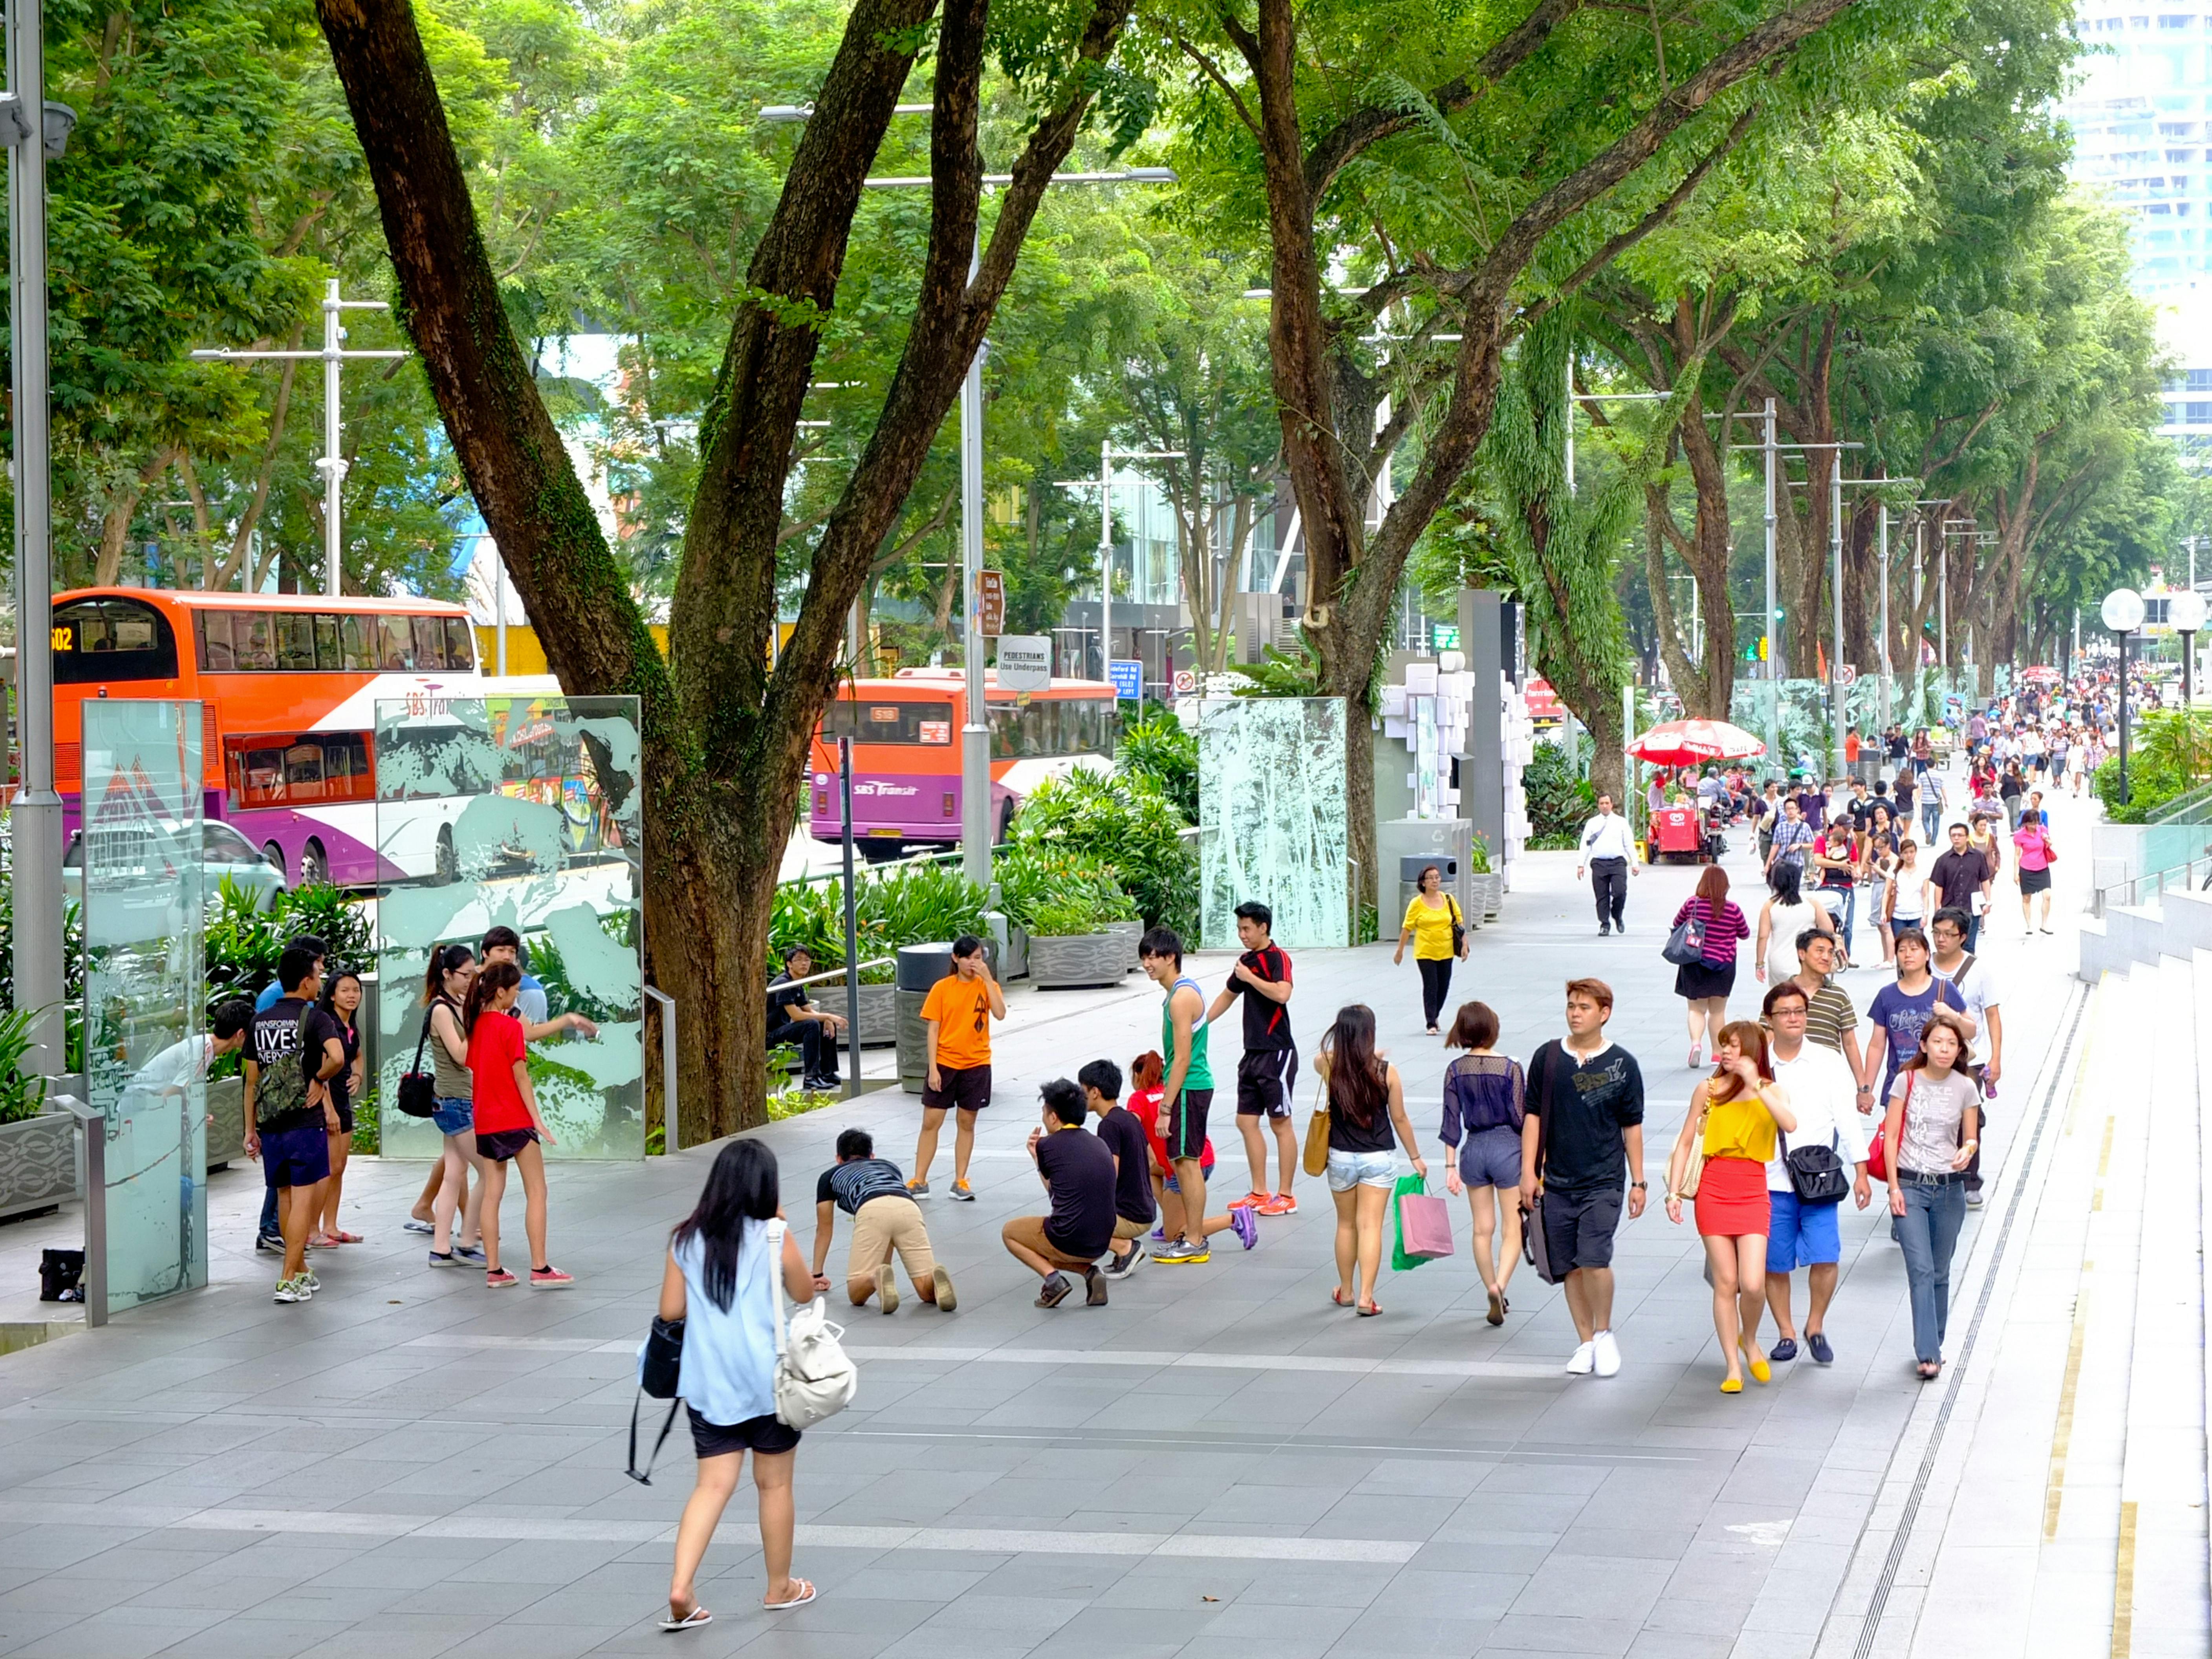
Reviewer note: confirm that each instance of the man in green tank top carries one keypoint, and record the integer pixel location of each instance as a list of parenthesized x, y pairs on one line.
[(1187, 1091)]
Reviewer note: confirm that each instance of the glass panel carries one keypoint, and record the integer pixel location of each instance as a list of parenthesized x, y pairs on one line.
[(215, 642), (397, 650), (525, 811), (429, 642), (146, 1060), (328, 657), (357, 644), (1271, 818), (460, 644), (303, 771), (253, 633), (295, 637), (882, 720)]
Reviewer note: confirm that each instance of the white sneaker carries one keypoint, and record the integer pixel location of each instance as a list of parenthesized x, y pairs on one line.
[(1585, 1357), (1609, 1354)]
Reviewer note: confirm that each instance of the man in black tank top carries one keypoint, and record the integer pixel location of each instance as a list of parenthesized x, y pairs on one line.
[(1267, 1073)]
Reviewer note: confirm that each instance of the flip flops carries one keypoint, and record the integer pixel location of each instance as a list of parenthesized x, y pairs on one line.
[(691, 1620), (805, 1594)]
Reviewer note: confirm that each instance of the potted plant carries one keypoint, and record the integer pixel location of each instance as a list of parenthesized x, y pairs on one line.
[(915, 904), (1066, 902), (38, 1148), (1486, 886)]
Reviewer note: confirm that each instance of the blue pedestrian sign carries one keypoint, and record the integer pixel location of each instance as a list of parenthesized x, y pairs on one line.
[(1128, 677)]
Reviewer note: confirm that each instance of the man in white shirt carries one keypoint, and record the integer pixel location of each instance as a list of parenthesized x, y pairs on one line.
[(1821, 1094), (1976, 982), (1609, 852)]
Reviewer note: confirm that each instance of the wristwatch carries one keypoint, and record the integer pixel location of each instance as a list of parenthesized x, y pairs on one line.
[(1638, 1186)]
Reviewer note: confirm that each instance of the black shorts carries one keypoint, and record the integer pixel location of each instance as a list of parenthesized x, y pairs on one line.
[(967, 1088), (504, 1144), (1186, 1131), (754, 1434), (1578, 1227), (345, 1116), (1264, 1080)]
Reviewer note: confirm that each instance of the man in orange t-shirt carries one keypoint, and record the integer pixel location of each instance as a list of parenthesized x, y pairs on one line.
[(956, 1017)]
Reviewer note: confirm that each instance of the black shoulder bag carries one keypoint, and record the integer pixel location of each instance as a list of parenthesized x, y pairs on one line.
[(1535, 1245), (659, 1369), (1816, 1173), (418, 1089)]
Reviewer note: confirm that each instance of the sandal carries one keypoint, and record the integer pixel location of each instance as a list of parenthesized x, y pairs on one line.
[(691, 1620), (805, 1594), (345, 1239), (1497, 1314), (1337, 1296), (1370, 1311)]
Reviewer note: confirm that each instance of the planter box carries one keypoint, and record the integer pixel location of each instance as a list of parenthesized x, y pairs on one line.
[(226, 1135), (1132, 932), (38, 1163), (1073, 959), (1016, 964), (878, 1013), (1490, 891)]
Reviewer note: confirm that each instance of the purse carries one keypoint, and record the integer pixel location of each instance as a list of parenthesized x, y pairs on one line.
[(1315, 1160), (1878, 1145), (659, 1371), (1686, 945), (1459, 926), (814, 1378), (418, 1089), (1694, 1171), (1535, 1243), (1424, 1224), (1816, 1173)]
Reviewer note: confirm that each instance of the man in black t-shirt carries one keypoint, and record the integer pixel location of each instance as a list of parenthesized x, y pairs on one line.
[(288, 1113), (793, 1019), (885, 1217), (1582, 1140), (1956, 877), (1077, 1169), (1134, 1208), (1267, 1074)]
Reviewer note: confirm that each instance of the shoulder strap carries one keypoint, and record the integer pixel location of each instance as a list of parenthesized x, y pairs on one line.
[(775, 1230), (1960, 978), (421, 1038)]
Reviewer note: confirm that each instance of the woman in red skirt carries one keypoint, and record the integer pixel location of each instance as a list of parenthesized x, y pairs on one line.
[(1736, 1111)]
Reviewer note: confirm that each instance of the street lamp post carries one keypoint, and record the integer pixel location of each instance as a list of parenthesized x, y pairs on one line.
[(2123, 612), (2186, 612)]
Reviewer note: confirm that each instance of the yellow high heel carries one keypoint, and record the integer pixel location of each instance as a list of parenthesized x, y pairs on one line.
[(1757, 1361), (1731, 1385)]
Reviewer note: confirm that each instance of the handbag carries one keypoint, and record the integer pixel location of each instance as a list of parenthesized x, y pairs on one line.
[(1694, 1171), (1459, 926), (659, 1371), (418, 1089), (1878, 1145), (1816, 1173), (1314, 1160), (1686, 945), (814, 1378), (1424, 1224), (1535, 1243)]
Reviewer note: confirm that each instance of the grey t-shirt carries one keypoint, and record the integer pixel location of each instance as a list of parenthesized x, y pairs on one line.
[(1934, 1110)]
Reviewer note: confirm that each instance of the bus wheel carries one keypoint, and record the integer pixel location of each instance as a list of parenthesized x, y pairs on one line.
[(449, 864), (314, 864), (1005, 824), (879, 849), (275, 855)]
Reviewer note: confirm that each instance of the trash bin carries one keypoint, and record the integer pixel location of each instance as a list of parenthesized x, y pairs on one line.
[(920, 966), (1409, 878)]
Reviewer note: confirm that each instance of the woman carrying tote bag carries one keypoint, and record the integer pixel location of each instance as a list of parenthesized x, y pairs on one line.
[(721, 1280)]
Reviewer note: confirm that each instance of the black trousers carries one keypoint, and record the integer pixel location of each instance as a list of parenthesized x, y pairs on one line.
[(1436, 986), (1609, 882), (818, 1049)]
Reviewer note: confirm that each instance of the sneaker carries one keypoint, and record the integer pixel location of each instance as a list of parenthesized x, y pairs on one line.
[(470, 1252), (1251, 1201), (450, 1259), (1054, 1290), (886, 1290), (1604, 933), (498, 1279), (964, 1191), (917, 1189), (411, 1225), (1122, 1266), (1094, 1288), (1281, 1204), (1159, 1236), (940, 1282), (1974, 1198), (1175, 1252), (1579, 1363), (1247, 1229), (269, 1243), (307, 1280), (1607, 1354), (288, 1290), (550, 1278)]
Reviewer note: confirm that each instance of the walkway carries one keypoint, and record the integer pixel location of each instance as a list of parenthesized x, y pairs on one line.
[(1219, 1462)]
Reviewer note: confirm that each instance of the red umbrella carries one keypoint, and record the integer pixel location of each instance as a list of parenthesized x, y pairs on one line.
[(1685, 743)]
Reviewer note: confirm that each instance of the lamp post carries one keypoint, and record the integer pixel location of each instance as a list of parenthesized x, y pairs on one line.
[(2186, 612), (2123, 611)]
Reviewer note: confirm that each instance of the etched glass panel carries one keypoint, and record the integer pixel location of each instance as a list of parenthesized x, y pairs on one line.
[(138, 861), (524, 813), (1272, 819)]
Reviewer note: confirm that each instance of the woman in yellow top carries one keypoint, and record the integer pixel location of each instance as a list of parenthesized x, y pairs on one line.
[(1736, 1110), (1429, 918)]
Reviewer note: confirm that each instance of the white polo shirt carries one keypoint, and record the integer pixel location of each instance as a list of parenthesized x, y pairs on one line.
[(1606, 836), (1825, 1102)]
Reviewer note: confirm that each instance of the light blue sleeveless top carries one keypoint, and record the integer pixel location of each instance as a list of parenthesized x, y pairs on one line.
[(729, 1358)]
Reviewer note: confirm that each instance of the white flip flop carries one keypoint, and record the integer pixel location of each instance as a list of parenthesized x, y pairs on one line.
[(796, 1600), (691, 1620)]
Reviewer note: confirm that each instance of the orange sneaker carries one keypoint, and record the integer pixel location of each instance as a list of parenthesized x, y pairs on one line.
[(1279, 1204), (1251, 1201)]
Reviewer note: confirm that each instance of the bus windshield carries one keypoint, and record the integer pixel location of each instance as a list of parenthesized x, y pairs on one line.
[(882, 719), (1049, 727)]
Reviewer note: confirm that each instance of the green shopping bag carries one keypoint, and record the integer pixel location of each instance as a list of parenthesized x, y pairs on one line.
[(1424, 1224)]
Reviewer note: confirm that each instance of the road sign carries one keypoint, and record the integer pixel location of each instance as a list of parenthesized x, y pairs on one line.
[(1186, 682), (991, 603), (1846, 673), (1128, 674), (1444, 636), (1024, 662)]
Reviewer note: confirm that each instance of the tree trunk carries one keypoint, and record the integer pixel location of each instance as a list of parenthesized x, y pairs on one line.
[(1709, 565)]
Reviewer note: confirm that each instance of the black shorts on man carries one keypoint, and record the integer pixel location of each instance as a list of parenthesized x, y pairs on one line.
[(1579, 1227), (1186, 1135), (967, 1088), (1264, 1080)]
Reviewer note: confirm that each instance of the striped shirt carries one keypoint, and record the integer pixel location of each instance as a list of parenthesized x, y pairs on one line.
[(1829, 1014)]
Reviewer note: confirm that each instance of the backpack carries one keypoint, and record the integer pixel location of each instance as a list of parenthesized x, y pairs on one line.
[(814, 1378)]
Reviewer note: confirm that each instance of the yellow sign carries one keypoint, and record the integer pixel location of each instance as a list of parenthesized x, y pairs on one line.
[(64, 639)]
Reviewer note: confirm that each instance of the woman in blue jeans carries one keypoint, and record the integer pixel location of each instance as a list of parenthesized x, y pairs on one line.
[(1932, 1131)]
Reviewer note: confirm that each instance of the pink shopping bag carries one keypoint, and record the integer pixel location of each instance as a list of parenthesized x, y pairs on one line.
[(1423, 1226)]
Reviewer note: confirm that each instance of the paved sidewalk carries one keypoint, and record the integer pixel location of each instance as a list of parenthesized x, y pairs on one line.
[(1217, 1462)]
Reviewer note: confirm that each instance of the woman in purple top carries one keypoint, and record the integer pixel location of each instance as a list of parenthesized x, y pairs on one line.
[(1486, 1100), (1704, 985)]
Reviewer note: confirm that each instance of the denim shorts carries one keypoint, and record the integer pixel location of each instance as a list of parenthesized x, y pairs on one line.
[(454, 1117), (1491, 1158), (1350, 1170)]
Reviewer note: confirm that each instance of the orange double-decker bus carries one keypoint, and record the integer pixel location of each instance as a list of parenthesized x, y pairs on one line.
[(289, 686)]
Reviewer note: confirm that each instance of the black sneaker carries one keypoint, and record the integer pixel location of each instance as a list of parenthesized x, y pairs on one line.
[(1122, 1266), (1094, 1286), (269, 1243), (1054, 1290)]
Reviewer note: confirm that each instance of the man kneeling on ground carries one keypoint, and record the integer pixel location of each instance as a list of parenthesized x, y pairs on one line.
[(885, 1217), (1077, 1169)]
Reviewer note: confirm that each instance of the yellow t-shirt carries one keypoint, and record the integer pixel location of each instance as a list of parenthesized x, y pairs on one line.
[(1431, 928), (1741, 1128), (961, 1009)]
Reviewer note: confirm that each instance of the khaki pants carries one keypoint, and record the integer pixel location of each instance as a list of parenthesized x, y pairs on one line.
[(1028, 1229), (883, 1225), (1124, 1228)]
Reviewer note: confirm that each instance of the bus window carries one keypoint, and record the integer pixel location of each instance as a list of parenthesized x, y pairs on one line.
[(357, 644), (460, 644), (870, 721), (214, 630), (295, 641), (327, 656), (429, 642), (259, 779), (112, 640), (397, 649), (303, 771), (253, 640)]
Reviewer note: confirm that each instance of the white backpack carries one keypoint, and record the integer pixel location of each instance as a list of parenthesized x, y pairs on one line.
[(814, 1379)]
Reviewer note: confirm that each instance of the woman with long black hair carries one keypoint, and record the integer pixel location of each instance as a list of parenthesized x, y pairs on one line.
[(340, 1005), (1366, 1124), (445, 991), (719, 1281), (508, 1124)]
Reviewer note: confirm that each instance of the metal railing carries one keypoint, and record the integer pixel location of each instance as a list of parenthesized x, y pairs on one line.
[(2195, 806), (91, 1149), (2153, 885)]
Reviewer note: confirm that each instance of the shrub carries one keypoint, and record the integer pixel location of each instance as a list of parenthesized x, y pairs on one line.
[(1156, 748), (1130, 828), (1560, 798)]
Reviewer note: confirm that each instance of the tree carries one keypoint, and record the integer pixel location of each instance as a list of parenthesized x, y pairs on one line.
[(725, 735)]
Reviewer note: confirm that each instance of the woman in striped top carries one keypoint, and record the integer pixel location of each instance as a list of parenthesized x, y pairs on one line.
[(1704, 985)]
